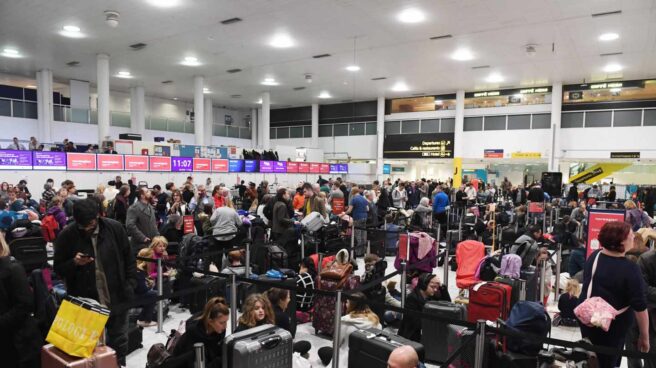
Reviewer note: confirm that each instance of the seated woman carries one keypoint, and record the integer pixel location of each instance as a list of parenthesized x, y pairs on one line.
[(158, 250), (428, 288), (305, 279), (279, 299), (566, 304), (145, 289), (208, 329), (358, 317), (257, 311)]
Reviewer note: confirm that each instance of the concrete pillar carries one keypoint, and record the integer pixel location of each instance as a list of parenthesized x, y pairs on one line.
[(102, 86), (315, 125), (44, 105), (208, 120), (458, 142), (253, 128), (266, 120), (556, 109), (137, 110), (380, 135), (199, 111), (260, 136)]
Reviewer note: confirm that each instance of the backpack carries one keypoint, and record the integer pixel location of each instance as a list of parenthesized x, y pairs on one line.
[(110, 209), (49, 228), (511, 264), (157, 355), (268, 209), (531, 318), (527, 252), (489, 268)]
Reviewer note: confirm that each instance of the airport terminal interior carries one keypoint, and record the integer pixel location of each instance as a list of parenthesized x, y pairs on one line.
[(328, 183)]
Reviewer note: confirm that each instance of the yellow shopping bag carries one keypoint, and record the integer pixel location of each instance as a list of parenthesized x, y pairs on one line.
[(78, 326)]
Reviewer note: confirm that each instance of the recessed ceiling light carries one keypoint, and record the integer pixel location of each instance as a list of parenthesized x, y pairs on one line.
[(494, 78), (325, 94), (281, 40), (71, 28), (462, 55), (353, 68), (124, 74), (206, 90), (164, 3), (400, 87), (71, 31), (190, 61), (609, 36), (259, 101), (269, 82), (175, 98), (411, 15), (11, 53), (611, 68)]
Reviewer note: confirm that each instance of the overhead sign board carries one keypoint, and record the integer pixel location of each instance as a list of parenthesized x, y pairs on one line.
[(429, 146), (625, 155)]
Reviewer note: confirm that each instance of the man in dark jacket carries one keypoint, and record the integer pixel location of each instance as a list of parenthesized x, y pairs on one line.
[(518, 196), (93, 256), (428, 288), (536, 194), (141, 222)]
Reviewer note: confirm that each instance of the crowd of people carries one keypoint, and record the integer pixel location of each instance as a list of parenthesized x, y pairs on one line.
[(97, 239), (65, 146)]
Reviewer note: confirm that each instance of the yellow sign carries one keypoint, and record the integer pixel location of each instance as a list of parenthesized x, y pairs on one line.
[(597, 172), (526, 155), (457, 172)]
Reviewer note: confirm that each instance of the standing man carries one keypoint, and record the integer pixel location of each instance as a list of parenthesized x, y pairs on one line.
[(93, 256), (161, 199), (359, 210), (440, 204), (141, 221)]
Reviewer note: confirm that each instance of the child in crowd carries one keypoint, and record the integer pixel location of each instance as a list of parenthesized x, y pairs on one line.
[(257, 312), (158, 250), (566, 304), (145, 289)]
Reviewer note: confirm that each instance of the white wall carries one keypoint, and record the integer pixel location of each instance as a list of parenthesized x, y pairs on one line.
[(538, 140), (597, 143), (358, 147)]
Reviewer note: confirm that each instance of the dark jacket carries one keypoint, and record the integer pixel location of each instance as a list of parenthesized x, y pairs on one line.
[(536, 194), (242, 327), (282, 319), (195, 332), (19, 344), (120, 208), (383, 202), (117, 260), (141, 224), (281, 221), (522, 196), (647, 264), (411, 325), (576, 261)]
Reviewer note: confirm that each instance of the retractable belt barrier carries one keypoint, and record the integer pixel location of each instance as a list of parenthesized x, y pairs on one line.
[(122, 307)]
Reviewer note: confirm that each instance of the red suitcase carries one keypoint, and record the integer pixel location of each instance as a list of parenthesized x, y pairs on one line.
[(489, 301), (103, 357), (323, 315)]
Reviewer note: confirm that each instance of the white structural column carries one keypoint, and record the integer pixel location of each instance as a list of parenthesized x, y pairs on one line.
[(315, 125), (380, 135), (266, 120), (44, 104), (253, 128), (137, 110), (260, 137), (199, 111), (102, 85), (208, 120), (556, 109), (458, 139)]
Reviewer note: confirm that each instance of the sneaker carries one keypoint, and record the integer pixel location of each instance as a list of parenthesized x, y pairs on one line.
[(145, 324)]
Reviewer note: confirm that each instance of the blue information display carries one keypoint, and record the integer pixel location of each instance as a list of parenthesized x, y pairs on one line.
[(387, 169), (236, 165), (250, 166)]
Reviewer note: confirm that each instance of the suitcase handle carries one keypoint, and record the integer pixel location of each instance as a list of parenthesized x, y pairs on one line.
[(271, 342)]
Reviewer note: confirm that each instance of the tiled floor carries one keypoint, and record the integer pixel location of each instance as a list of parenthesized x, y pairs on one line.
[(306, 332)]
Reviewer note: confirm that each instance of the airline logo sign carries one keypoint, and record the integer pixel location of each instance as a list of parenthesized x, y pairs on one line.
[(136, 163), (202, 164), (597, 172), (493, 153)]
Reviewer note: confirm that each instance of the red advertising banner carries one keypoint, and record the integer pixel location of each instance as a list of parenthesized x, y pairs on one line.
[(110, 162), (80, 161), (136, 163), (292, 167), (202, 164), (303, 167), (597, 219), (187, 224), (160, 163), (325, 168), (219, 165), (315, 168), (338, 205), (535, 207)]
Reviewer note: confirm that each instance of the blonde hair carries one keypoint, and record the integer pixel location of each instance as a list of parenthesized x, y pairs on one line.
[(573, 287), (144, 253), (4, 247), (629, 205), (159, 240)]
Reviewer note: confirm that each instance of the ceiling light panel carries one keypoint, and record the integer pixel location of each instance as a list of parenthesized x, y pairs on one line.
[(324, 95), (494, 78), (411, 15), (610, 36), (462, 55), (353, 68), (190, 61), (269, 82), (164, 3), (400, 87), (612, 68), (124, 74), (281, 41), (11, 53)]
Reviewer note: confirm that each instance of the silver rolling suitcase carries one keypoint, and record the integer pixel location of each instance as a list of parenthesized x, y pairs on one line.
[(258, 347), (312, 222)]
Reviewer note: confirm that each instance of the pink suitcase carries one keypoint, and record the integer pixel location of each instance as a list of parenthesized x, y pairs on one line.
[(103, 357), (323, 316)]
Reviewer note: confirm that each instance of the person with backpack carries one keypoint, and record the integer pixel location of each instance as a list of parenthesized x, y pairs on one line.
[(117, 209), (635, 217), (526, 246), (20, 340)]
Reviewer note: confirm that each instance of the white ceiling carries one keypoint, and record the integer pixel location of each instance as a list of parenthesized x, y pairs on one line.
[(495, 31)]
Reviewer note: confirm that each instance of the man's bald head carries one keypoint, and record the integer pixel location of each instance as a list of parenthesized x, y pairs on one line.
[(403, 357)]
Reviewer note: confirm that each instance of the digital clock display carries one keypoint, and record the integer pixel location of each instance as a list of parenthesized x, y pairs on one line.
[(182, 164)]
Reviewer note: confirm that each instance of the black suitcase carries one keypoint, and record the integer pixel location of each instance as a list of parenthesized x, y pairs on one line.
[(30, 252), (373, 347), (434, 334), (216, 287), (275, 257), (532, 278), (263, 346), (135, 338), (515, 284)]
